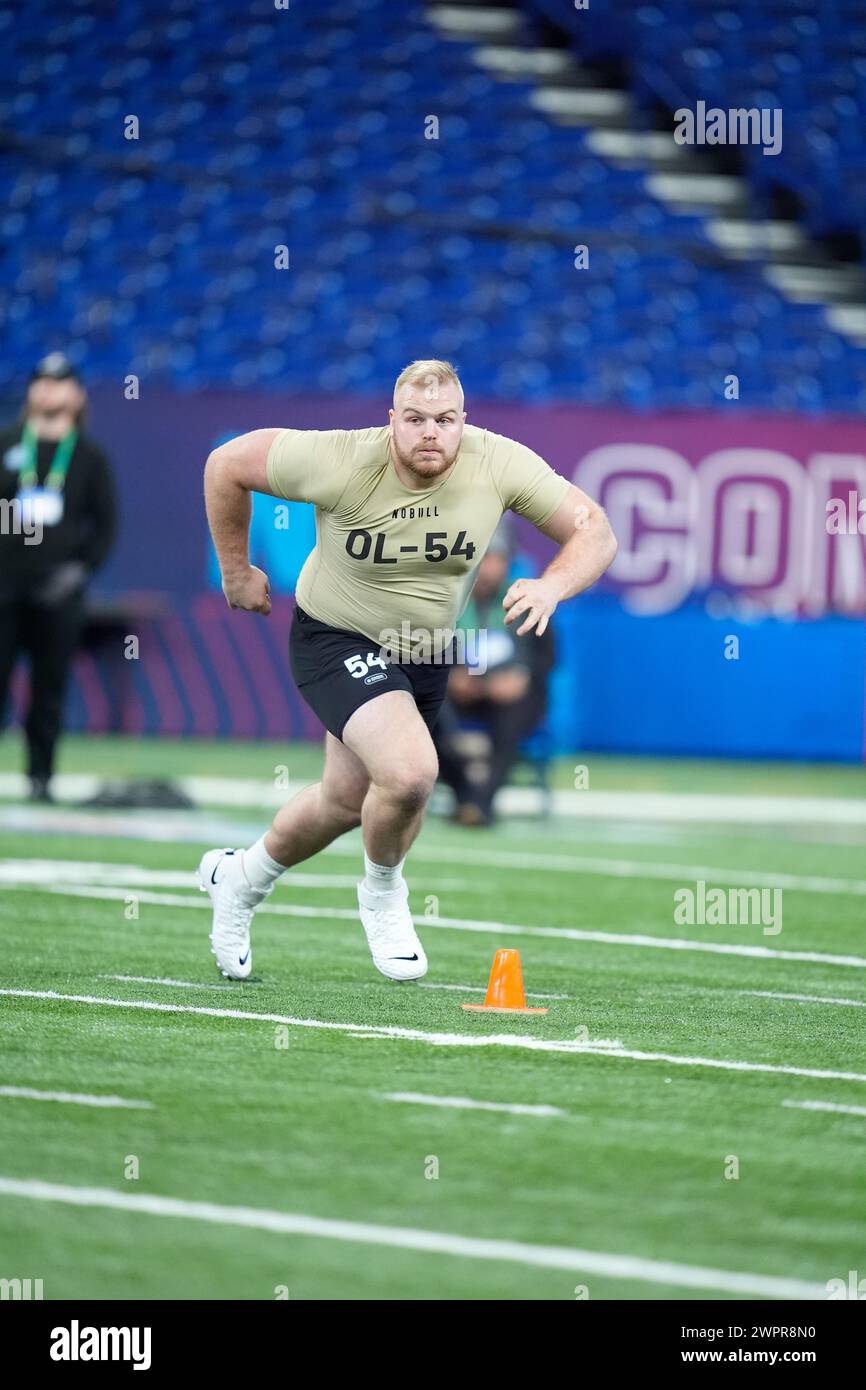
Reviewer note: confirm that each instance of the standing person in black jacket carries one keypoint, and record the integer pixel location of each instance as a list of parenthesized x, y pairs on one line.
[(57, 525)]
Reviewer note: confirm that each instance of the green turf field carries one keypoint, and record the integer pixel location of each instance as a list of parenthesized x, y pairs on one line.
[(290, 1167)]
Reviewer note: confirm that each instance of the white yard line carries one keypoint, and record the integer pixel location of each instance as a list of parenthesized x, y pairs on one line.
[(482, 989), (196, 828), (595, 1048), (825, 1105), (590, 805), (664, 943), (350, 914), (160, 980), (603, 1049), (261, 795), (594, 1045), (23, 872), (73, 1098), (805, 998), (634, 868), (464, 1103), (193, 984), (45, 873), (633, 1267)]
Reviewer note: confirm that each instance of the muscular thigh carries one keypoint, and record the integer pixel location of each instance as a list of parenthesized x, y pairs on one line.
[(390, 738), (345, 780)]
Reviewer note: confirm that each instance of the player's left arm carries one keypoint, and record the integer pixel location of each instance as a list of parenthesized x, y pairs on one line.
[(587, 547)]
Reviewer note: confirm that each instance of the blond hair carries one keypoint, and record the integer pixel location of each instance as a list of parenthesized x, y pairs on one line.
[(431, 374)]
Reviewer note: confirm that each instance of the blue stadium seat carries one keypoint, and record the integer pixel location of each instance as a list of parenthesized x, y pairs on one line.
[(312, 135)]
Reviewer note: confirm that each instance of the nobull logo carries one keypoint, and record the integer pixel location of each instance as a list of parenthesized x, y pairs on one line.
[(21, 1288), (76, 1343)]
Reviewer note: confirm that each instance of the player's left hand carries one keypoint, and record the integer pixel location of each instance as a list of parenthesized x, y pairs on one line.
[(534, 597)]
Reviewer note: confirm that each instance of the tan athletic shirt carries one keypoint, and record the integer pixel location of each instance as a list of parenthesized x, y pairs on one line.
[(395, 563)]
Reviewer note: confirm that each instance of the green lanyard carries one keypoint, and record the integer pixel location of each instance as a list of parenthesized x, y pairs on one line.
[(56, 476)]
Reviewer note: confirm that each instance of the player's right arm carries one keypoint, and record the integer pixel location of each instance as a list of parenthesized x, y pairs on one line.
[(298, 465), (232, 472)]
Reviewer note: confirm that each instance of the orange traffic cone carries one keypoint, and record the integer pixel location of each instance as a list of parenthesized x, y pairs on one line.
[(505, 988)]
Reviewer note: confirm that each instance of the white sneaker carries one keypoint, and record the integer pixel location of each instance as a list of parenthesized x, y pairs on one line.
[(386, 919), (220, 874)]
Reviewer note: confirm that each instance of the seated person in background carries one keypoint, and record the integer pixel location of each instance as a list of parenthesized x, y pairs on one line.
[(507, 693)]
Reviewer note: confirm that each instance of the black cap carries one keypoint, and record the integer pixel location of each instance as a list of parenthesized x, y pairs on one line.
[(56, 366)]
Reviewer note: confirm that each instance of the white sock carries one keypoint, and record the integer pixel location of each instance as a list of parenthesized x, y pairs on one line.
[(259, 869), (383, 878)]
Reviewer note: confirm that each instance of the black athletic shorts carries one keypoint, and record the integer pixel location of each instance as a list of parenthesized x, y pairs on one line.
[(337, 671)]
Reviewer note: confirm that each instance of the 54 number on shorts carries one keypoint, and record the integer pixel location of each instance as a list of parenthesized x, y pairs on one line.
[(357, 666)]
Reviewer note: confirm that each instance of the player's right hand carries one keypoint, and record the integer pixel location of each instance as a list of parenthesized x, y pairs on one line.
[(249, 589)]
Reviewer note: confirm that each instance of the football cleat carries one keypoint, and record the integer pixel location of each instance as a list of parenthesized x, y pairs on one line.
[(221, 875), (386, 919)]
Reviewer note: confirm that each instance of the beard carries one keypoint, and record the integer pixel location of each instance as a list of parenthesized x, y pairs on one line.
[(426, 467)]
